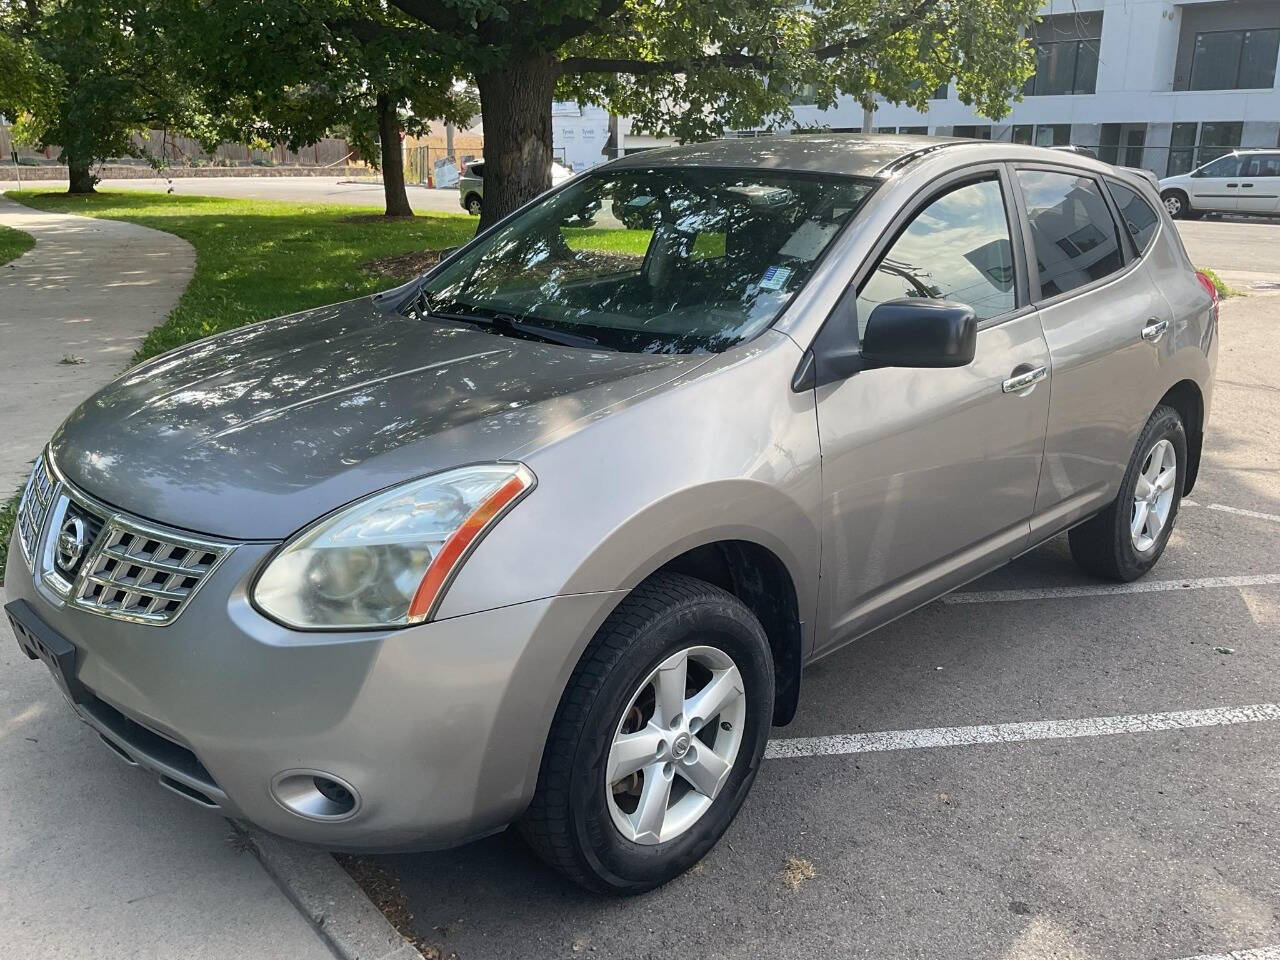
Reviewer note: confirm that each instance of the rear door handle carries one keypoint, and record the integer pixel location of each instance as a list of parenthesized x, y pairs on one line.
[(1233, 184), (1246, 184), (1154, 330), (1024, 380)]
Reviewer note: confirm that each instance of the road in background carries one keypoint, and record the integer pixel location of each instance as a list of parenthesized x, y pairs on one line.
[(365, 193)]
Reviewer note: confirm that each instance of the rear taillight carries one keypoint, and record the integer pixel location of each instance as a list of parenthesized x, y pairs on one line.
[(1211, 289)]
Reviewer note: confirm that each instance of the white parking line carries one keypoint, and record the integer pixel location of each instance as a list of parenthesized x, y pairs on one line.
[(1274, 518), (1106, 589), (1257, 953), (790, 749), (1238, 511)]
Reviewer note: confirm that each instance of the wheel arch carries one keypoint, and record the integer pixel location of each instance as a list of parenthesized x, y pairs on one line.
[(760, 579), (1187, 399)]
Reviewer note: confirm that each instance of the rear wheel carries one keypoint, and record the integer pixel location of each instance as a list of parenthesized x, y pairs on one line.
[(1176, 202), (1125, 540), (657, 738), (473, 205)]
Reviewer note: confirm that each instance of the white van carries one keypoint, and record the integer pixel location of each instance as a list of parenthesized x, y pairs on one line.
[(1246, 181)]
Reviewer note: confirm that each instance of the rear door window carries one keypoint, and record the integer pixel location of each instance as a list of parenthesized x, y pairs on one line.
[(1263, 165), (956, 248), (1138, 216), (1075, 237)]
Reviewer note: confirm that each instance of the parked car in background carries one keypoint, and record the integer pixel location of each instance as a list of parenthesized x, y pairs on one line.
[(471, 184), (1245, 181), (548, 535)]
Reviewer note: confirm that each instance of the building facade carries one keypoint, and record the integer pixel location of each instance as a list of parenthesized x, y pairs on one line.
[(1161, 84)]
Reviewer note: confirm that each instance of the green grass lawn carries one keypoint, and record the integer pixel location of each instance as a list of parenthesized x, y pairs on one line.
[(261, 258), (13, 244)]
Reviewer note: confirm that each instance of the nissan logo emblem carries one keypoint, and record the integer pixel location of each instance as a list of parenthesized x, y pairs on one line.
[(72, 541)]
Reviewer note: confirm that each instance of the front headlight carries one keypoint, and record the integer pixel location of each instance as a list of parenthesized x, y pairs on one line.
[(385, 561)]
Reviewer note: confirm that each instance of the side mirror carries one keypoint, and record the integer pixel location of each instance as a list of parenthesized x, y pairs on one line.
[(912, 332), (916, 332)]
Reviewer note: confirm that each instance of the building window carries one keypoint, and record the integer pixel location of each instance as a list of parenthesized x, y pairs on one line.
[(973, 132), (917, 130), (1064, 67), (1066, 55), (1193, 144), (1122, 143), (1235, 60)]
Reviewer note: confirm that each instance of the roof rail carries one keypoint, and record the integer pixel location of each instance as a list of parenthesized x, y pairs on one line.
[(893, 166)]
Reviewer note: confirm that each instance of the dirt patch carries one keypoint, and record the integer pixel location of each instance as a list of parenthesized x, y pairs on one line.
[(383, 888), (796, 872), (402, 266)]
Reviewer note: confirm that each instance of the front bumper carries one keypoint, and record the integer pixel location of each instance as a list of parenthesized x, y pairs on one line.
[(438, 727)]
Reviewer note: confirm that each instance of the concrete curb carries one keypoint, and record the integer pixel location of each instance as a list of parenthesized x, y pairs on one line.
[(332, 902)]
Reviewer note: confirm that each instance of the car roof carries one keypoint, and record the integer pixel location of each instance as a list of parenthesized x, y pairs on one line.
[(853, 154)]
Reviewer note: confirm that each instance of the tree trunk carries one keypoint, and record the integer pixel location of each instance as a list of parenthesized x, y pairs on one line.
[(392, 158), (81, 178), (516, 105)]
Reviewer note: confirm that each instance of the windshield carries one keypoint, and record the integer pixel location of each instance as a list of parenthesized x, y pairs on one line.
[(665, 260)]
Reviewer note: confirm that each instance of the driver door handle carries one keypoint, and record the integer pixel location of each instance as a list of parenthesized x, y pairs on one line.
[(1024, 380), (1154, 330)]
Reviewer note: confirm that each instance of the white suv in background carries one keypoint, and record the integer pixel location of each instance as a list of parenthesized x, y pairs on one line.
[(1246, 181)]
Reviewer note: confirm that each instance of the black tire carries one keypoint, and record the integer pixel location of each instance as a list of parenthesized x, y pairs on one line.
[(568, 823), (1103, 545), (1177, 199)]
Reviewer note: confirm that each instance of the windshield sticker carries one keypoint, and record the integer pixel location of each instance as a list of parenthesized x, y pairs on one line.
[(774, 278), (810, 240)]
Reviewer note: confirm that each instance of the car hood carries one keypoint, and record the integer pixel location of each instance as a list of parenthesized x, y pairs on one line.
[(257, 432)]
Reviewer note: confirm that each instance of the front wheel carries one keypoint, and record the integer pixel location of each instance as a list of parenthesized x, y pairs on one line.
[(474, 205), (657, 738), (1125, 540)]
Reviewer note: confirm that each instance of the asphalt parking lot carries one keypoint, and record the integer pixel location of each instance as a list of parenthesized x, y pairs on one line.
[(927, 801)]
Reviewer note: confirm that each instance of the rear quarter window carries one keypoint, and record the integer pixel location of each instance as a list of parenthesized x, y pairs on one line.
[(1138, 216)]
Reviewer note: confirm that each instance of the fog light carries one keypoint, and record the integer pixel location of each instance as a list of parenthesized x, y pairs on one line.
[(315, 795)]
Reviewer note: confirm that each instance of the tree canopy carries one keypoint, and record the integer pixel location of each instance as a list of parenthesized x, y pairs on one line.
[(692, 67), (87, 76), (289, 72)]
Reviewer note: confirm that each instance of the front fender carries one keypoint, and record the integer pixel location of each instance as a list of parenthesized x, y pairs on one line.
[(730, 453)]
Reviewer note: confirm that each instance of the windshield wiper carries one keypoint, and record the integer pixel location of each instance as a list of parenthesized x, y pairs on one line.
[(505, 323)]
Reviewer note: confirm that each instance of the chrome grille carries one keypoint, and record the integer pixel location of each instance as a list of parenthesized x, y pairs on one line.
[(37, 496), (139, 573), (127, 569)]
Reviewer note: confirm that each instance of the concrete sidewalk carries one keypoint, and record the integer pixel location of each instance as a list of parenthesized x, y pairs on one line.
[(95, 859), (89, 290)]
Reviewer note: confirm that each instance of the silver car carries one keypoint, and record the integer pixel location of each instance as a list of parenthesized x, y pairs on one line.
[(548, 535)]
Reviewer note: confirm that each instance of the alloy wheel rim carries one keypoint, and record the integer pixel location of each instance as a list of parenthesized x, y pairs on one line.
[(1153, 495), (675, 745), (1173, 205)]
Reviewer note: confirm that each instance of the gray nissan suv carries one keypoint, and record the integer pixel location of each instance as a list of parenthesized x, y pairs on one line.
[(548, 535)]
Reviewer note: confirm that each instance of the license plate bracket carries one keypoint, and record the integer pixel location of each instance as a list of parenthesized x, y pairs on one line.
[(39, 641)]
